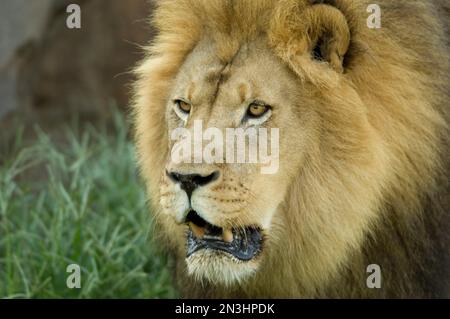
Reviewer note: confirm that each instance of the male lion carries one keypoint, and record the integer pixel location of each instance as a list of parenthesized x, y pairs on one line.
[(363, 172)]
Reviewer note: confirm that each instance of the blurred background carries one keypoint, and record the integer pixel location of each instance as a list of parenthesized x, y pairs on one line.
[(69, 191), (50, 72)]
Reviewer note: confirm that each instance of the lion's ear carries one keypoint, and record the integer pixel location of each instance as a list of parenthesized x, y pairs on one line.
[(329, 35), (317, 32)]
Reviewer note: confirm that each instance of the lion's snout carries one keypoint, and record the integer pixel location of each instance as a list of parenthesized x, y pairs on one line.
[(189, 182)]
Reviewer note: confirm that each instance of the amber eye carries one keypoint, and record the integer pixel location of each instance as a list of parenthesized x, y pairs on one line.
[(257, 109), (183, 106)]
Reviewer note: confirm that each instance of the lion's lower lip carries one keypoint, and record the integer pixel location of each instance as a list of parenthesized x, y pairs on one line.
[(245, 245)]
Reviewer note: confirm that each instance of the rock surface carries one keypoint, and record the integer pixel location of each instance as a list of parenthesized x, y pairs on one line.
[(50, 71)]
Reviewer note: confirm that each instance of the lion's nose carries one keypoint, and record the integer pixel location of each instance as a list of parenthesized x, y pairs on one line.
[(189, 182)]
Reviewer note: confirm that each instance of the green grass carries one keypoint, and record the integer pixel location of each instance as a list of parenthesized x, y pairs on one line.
[(77, 202)]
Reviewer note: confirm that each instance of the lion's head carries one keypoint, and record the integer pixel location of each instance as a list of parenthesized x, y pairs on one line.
[(272, 65)]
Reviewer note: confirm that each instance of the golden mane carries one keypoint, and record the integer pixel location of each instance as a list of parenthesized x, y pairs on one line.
[(391, 178)]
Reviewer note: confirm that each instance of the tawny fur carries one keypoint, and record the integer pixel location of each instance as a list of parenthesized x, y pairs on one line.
[(374, 191)]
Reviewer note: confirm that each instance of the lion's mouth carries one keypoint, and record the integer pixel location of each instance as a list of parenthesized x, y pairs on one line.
[(243, 243)]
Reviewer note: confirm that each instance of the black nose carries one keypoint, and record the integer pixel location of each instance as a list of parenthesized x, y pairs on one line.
[(189, 182)]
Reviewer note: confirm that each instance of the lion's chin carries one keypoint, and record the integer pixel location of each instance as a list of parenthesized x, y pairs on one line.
[(221, 256), (219, 268)]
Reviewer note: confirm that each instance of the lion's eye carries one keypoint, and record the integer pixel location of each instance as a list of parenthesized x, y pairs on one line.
[(256, 110), (257, 113), (183, 106), (182, 109)]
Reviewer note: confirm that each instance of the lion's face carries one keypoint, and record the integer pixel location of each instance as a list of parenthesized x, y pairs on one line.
[(226, 210), (342, 147), (306, 207)]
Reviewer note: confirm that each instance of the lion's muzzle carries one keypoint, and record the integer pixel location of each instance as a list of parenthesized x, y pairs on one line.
[(243, 243)]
